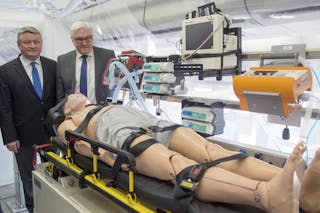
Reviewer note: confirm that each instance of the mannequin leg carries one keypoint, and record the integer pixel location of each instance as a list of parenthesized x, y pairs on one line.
[(188, 143), (219, 185), (280, 194), (310, 189)]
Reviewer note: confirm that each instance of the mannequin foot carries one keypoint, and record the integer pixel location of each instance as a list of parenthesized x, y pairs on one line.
[(283, 189), (310, 189)]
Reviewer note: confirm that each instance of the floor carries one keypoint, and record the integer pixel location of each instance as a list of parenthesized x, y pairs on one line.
[(4, 207), (7, 195)]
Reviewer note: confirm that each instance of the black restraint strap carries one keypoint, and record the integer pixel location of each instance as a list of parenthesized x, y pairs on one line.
[(188, 178), (134, 135), (87, 119), (238, 156), (117, 167), (142, 146), (163, 129), (136, 150), (130, 138)]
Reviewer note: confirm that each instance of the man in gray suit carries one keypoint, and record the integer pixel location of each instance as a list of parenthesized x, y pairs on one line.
[(81, 70)]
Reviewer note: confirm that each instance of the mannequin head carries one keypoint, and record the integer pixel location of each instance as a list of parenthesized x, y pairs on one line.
[(75, 103)]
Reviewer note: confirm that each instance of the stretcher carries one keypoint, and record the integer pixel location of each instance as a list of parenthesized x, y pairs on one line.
[(132, 191)]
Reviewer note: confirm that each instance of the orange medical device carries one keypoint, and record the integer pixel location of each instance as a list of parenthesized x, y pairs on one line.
[(272, 90)]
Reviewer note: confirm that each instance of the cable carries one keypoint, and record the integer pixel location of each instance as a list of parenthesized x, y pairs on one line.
[(316, 75), (159, 111), (196, 50), (90, 16), (144, 15), (308, 136), (305, 62), (249, 13), (166, 114), (308, 113), (178, 45), (263, 121)]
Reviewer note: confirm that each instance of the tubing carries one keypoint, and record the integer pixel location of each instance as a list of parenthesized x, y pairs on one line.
[(128, 77)]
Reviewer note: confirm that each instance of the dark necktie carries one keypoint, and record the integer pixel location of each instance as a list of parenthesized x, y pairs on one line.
[(83, 75), (36, 79)]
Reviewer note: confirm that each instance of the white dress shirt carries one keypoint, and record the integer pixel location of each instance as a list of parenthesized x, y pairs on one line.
[(91, 92)]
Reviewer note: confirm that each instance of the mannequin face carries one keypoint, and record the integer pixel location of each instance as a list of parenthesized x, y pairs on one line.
[(75, 103)]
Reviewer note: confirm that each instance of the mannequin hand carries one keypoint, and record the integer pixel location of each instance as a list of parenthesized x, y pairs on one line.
[(13, 146)]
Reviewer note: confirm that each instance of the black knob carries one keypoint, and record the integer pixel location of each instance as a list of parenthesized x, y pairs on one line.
[(286, 133)]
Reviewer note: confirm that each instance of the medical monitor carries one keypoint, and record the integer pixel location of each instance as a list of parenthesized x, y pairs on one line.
[(202, 35)]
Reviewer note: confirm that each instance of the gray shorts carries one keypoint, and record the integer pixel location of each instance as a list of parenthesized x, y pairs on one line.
[(115, 125)]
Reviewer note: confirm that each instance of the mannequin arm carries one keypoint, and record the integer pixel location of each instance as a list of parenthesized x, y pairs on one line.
[(83, 147)]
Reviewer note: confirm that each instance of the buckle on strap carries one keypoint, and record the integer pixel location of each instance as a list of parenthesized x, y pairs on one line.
[(191, 181), (151, 129), (159, 129), (188, 180)]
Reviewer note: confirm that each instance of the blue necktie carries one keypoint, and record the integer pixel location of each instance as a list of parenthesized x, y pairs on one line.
[(36, 79), (83, 75)]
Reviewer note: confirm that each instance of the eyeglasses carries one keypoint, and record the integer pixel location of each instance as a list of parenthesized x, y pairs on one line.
[(81, 39)]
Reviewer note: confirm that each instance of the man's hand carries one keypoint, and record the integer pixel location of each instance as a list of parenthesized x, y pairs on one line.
[(14, 146)]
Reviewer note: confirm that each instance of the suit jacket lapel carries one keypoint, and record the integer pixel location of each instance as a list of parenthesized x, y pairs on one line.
[(98, 66), (72, 69), (45, 77)]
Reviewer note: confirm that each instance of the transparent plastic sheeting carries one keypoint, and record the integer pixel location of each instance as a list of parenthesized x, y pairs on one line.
[(8, 44), (123, 25), (152, 27)]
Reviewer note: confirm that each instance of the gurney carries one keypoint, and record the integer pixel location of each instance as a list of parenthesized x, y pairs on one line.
[(134, 192)]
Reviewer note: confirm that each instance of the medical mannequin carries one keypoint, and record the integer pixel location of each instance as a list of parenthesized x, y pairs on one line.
[(248, 181)]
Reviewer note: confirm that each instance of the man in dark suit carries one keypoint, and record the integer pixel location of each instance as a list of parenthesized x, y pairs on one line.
[(70, 66), (27, 91)]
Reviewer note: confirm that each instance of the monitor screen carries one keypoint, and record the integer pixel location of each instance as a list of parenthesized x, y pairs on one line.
[(197, 33), (197, 30)]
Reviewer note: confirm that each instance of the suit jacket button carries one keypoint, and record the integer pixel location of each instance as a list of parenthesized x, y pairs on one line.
[(41, 102)]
